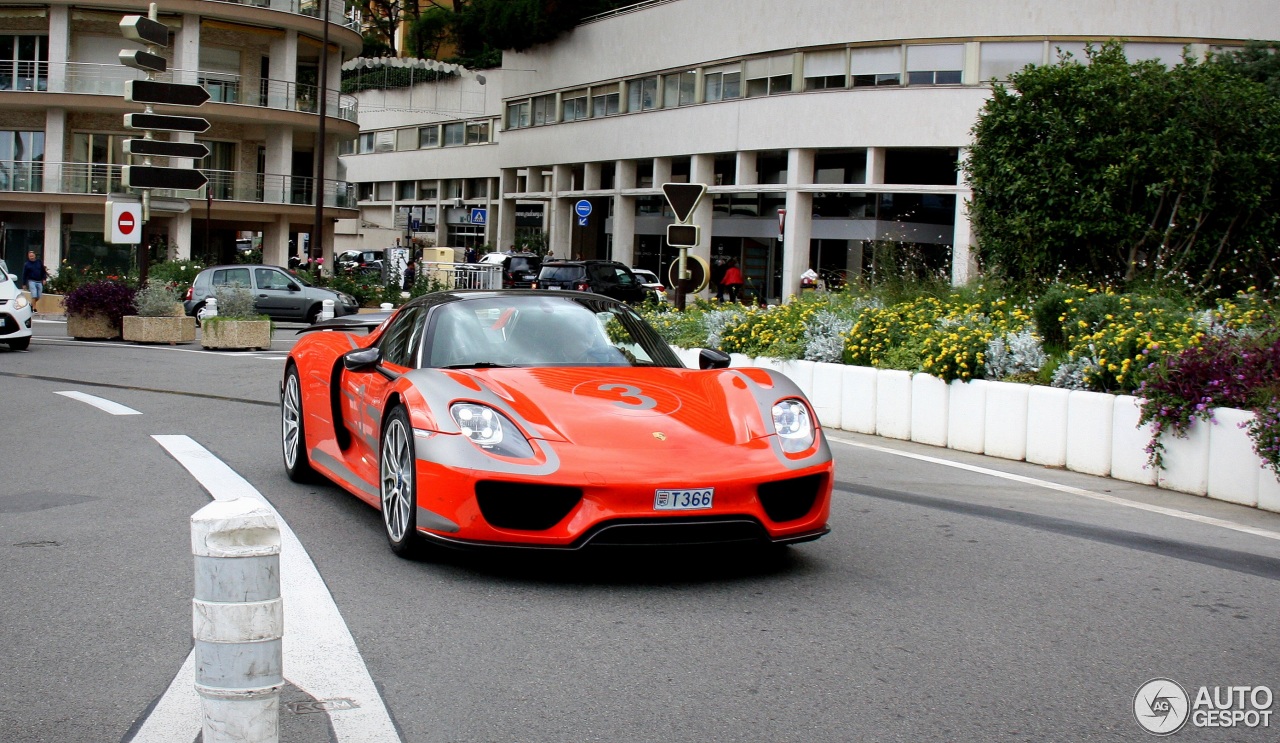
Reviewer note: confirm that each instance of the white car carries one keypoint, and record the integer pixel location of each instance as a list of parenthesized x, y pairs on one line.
[(15, 312), (651, 282)]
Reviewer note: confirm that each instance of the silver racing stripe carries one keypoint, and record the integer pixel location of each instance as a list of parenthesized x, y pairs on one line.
[(783, 387)]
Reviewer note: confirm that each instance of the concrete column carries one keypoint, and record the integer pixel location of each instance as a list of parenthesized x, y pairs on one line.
[(875, 165), (59, 51), (278, 164), (327, 227), (591, 176), (506, 237), (561, 238), (799, 227), (55, 136), (964, 264), (53, 236), (702, 169), (624, 174), (180, 227), (275, 241), (283, 71), (624, 213), (533, 180), (745, 170), (186, 51), (661, 171)]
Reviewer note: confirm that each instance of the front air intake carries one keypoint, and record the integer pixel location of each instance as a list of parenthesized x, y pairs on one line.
[(512, 505), (788, 500)]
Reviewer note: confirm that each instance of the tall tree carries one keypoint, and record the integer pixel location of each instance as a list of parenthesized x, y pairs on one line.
[(1115, 171)]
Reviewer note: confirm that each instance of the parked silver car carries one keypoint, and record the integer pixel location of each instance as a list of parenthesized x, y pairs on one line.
[(278, 293)]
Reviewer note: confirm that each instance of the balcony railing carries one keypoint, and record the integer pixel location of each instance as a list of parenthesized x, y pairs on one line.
[(223, 87), (225, 185), (337, 10)]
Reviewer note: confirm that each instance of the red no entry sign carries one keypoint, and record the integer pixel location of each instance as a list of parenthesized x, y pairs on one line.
[(123, 223), (126, 223)]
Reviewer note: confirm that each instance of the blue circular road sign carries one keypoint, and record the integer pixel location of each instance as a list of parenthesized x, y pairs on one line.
[(582, 208)]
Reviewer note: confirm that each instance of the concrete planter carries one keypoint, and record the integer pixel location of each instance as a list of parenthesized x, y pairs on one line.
[(171, 330), (236, 334), (50, 304), (91, 327)]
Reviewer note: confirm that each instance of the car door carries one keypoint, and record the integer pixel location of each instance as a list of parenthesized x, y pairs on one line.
[(364, 391), (277, 295)]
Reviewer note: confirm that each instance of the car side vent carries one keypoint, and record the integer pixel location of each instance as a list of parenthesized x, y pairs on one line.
[(511, 505), (788, 500)]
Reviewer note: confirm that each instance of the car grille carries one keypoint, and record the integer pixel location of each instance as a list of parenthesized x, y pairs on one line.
[(677, 532), (8, 324), (509, 505), (788, 500)]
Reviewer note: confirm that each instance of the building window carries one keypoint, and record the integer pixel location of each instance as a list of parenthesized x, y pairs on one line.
[(1170, 55), (769, 75), (428, 136), (876, 66), (427, 190), (405, 190), (605, 104), (452, 189), (544, 110), (642, 94), (98, 159), (1002, 59), (466, 235), (477, 188), (518, 115), (24, 62), (679, 89), (573, 105), (21, 161), (722, 83), (455, 134), (477, 132), (364, 191), (825, 69), (935, 64), (385, 191), (366, 143)]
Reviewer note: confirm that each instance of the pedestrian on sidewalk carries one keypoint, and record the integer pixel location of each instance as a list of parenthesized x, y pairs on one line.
[(34, 274), (732, 280)]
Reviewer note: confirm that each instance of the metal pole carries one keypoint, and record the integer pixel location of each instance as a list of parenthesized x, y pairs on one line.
[(323, 94)]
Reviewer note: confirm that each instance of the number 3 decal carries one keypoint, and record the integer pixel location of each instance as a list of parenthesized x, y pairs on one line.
[(629, 393)]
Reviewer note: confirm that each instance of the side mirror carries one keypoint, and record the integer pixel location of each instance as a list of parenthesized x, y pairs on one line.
[(293, 287), (13, 277), (362, 359), (709, 358)]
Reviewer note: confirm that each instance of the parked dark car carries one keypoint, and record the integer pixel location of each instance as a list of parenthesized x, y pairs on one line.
[(519, 270), (277, 293), (610, 278)]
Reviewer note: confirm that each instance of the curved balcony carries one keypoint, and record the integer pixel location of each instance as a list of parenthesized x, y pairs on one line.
[(311, 8), (108, 79), (225, 185)]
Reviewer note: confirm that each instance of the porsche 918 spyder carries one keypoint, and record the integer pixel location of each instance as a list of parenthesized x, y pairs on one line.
[(552, 419)]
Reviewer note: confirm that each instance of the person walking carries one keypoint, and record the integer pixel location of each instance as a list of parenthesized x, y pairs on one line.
[(732, 280), (34, 274), (410, 275)]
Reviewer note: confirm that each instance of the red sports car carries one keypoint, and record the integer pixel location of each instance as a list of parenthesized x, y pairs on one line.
[(552, 419)]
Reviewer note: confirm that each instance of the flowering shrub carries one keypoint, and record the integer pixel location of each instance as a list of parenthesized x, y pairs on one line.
[(178, 275), (156, 299), (109, 299), (1017, 354), (1264, 429)]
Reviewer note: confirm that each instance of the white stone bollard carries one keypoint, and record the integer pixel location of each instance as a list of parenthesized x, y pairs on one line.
[(209, 310), (386, 306), (326, 310), (237, 621)]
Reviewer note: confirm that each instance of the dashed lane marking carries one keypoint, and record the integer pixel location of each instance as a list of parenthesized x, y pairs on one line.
[(101, 403)]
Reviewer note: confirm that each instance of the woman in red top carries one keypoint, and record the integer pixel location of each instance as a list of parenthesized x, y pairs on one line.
[(732, 280)]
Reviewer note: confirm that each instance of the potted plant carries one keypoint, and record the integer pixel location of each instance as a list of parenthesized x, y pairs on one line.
[(159, 318), (96, 309), (237, 326)]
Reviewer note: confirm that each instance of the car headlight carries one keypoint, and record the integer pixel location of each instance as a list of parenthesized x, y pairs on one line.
[(490, 430), (794, 425), (20, 302)]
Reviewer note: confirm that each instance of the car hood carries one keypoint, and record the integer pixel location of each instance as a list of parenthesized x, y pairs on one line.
[(646, 408)]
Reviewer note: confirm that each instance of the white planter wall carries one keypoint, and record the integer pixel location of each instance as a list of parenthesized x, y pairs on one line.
[(1087, 432)]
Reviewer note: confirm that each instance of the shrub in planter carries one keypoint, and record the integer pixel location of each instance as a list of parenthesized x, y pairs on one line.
[(106, 301), (237, 324), (159, 318), (176, 274)]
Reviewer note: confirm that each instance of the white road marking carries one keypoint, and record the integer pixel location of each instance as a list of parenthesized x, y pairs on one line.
[(176, 717), (101, 403), (1114, 500), (320, 655)]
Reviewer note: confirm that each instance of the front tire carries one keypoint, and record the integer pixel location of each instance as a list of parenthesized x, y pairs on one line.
[(20, 344), (293, 436), (398, 485)]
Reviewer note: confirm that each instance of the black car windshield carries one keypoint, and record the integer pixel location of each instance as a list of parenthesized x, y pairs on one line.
[(533, 330)]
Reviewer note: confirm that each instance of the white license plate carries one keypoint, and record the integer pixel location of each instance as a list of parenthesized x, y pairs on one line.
[(682, 500), (553, 288)]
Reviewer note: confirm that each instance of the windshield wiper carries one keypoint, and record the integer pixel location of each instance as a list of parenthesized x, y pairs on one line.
[(478, 365)]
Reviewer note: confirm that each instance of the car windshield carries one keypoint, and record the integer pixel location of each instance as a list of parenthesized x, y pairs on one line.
[(4, 272), (562, 273), (298, 278), (509, 330)]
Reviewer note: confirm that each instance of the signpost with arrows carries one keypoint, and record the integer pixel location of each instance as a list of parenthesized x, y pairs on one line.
[(683, 197), (148, 30)]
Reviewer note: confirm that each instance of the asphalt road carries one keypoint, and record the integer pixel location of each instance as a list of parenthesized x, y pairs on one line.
[(947, 603)]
